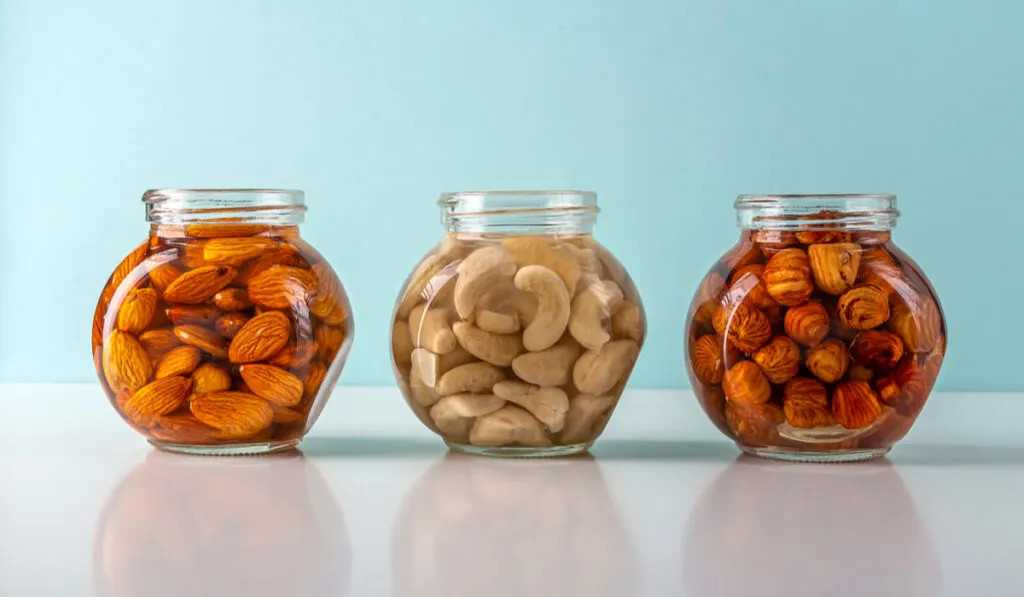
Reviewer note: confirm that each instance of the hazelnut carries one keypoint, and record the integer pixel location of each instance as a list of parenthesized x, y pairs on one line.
[(772, 241), (828, 361), (805, 389), (920, 325), (838, 328), (707, 357), (744, 325), (907, 387), (787, 277), (744, 382), (878, 269), (855, 405), (875, 350), (741, 255), (834, 266), (859, 373), (819, 232), (708, 298), (806, 415), (748, 284), (807, 324), (754, 424), (863, 307), (779, 359)]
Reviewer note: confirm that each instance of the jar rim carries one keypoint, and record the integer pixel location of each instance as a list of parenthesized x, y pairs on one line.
[(475, 201), (549, 212), (863, 211), (256, 205)]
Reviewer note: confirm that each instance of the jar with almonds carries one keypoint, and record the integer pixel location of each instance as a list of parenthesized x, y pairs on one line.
[(224, 332), (515, 335), (815, 337)]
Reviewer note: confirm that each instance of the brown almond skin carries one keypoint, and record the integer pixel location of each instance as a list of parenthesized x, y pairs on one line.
[(272, 383), (314, 379), (236, 251), (260, 338), (238, 413), (200, 314), (198, 285), (178, 361), (807, 324), (779, 359), (158, 342), (232, 299), (294, 356), (280, 287), (745, 383), (828, 361), (137, 310), (327, 303), (126, 363), (863, 307), (878, 351), (227, 325), (748, 328), (162, 276), (160, 397), (210, 378), (787, 277), (202, 338), (855, 405)]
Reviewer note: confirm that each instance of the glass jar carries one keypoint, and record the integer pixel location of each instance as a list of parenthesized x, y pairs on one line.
[(515, 336), (815, 338), (224, 332)]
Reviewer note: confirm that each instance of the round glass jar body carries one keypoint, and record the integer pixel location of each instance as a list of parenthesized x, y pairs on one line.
[(224, 332), (815, 338), (516, 335)]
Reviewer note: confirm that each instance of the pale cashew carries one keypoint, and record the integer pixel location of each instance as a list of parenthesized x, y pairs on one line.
[(535, 250), (401, 345), (589, 263), (592, 312), (454, 415), (422, 283), (628, 322), (477, 378), (508, 426), (423, 394), (584, 411), (551, 367), (429, 328), (504, 321), (552, 306), (496, 349), (430, 367), (612, 268), (549, 405), (597, 371), (478, 273)]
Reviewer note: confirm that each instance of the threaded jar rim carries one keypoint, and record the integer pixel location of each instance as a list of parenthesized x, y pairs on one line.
[(520, 212), (867, 211), (278, 207)]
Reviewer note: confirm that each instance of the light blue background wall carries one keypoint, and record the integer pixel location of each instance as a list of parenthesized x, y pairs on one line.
[(667, 108)]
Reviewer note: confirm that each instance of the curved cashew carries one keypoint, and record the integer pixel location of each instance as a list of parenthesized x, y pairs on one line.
[(478, 272), (597, 371), (423, 394), (549, 405), (429, 367), (508, 426), (552, 306), (430, 329), (498, 321), (584, 410), (628, 322), (535, 250), (496, 349), (612, 268), (454, 415), (401, 345), (477, 378), (423, 276), (589, 263), (592, 313), (551, 367)]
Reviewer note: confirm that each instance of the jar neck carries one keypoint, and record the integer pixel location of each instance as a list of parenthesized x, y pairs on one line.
[(520, 212), (816, 212), (224, 207)]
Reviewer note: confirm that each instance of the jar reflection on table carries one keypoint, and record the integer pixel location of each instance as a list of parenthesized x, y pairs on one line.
[(472, 527), (255, 527), (809, 530)]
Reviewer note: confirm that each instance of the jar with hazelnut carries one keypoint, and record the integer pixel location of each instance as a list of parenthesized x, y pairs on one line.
[(815, 338)]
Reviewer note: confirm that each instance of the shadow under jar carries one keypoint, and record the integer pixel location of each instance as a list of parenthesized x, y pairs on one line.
[(515, 336), (815, 338), (224, 332)]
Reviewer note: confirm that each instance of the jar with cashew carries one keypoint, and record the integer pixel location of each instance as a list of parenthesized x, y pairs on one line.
[(516, 335), (815, 337), (224, 332)]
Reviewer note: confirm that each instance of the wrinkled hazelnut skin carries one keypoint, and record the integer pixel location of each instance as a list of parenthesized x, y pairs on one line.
[(919, 326), (745, 383), (745, 326), (878, 351), (807, 324), (834, 266), (754, 424), (806, 389), (710, 358), (855, 405), (907, 387), (863, 307), (787, 277), (746, 283), (828, 361), (779, 359), (773, 241)]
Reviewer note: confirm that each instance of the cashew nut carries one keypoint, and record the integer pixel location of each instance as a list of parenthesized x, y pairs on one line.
[(552, 306), (496, 349), (628, 322), (584, 410), (454, 415), (551, 367), (429, 328), (589, 263), (612, 268), (508, 426), (401, 345), (592, 313), (597, 371), (423, 394), (534, 250), (504, 321), (430, 367), (477, 273), (477, 378), (549, 405)]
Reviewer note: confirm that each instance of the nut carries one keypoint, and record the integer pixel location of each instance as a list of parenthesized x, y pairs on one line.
[(314, 379), (272, 384), (137, 310), (590, 319), (863, 307), (534, 250), (747, 283), (430, 329), (162, 275), (159, 397), (126, 364), (628, 323), (477, 273), (907, 387), (597, 371), (178, 361), (806, 415), (498, 321), (232, 299), (281, 287), (496, 349), (200, 314), (711, 356), (202, 338), (551, 367), (834, 266), (236, 251), (879, 269), (787, 277), (475, 378), (401, 342), (296, 356), (239, 414), (219, 230), (859, 373), (828, 361), (454, 415), (584, 411), (227, 325), (855, 405), (548, 405), (553, 306), (754, 424), (805, 389), (510, 425), (745, 383), (423, 394), (158, 342), (329, 302), (779, 359), (284, 254), (210, 378), (745, 326), (708, 298), (920, 325), (287, 416), (260, 338), (807, 324), (429, 367), (200, 284), (879, 351), (771, 242)]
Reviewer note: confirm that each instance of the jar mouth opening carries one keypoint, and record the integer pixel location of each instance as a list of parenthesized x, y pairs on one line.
[(482, 202), (857, 211), (197, 206)]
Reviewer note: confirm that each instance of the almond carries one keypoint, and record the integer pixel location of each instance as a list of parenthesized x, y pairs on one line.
[(126, 363), (217, 230), (336, 316), (158, 342), (746, 383), (183, 428), (127, 266), (260, 338), (237, 413), (182, 314), (228, 324), (779, 359), (287, 416), (314, 379), (137, 310), (807, 324), (236, 251), (295, 356), (745, 326), (178, 361), (329, 291), (329, 340), (200, 284), (834, 266), (855, 405), (787, 277), (210, 378), (202, 338), (162, 275), (272, 383), (919, 326), (159, 397), (232, 299), (863, 307), (285, 254), (281, 286), (828, 361), (192, 255), (879, 351)]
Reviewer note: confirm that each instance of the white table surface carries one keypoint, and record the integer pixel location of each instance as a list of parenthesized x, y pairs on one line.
[(374, 506)]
